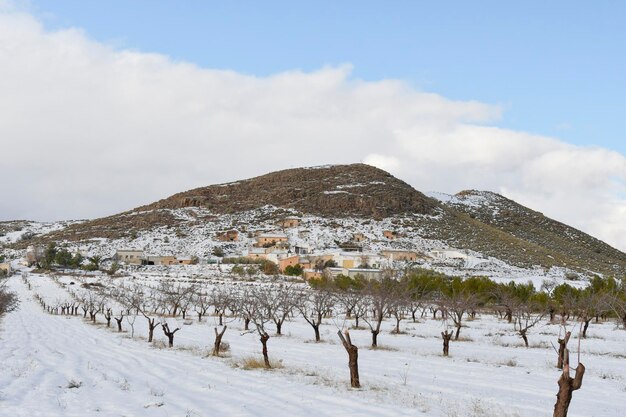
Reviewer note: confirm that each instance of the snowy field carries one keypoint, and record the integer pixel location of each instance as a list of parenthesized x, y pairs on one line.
[(55, 365)]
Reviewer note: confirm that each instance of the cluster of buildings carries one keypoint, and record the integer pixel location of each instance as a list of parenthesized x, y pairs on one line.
[(139, 257), (348, 259)]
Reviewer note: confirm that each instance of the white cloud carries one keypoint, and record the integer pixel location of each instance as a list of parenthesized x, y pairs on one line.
[(87, 130)]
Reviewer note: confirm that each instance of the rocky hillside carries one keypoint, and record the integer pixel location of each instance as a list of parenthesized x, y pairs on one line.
[(556, 238), (482, 222), (357, 190)]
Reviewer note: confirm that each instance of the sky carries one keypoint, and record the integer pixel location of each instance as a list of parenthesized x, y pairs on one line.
[(109, 105)]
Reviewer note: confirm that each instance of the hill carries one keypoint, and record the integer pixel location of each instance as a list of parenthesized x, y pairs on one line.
[(346, 199)]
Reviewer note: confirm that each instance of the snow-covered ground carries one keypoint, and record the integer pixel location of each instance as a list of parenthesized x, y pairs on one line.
[(53, 365)]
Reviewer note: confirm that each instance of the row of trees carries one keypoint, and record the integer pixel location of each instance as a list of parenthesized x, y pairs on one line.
[(55, 256), (412, 296)]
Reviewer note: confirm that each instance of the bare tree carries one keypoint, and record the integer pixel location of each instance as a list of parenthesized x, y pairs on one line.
[(348, 299), (108, 313), (592, 305), (398, 308), (353, 358), (526, 317), (259, 315), (456, 305), (201, 303), (506, 303), (221, 299), (381, 296), (618, 305), (175, 296), (313, 306), (279, 304), (142, 302)]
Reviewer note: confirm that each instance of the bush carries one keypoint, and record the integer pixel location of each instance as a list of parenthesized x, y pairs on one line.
[(242, 260), (239, 270), (269, 268), (294, 270), (8, 300)]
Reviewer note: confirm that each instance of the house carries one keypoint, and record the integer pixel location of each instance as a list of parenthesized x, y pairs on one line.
[(447, 254), (369, 274), (358, 237), (185, 260), (302, 249), (271, 239), (256, 253), (399, 255), (288, 261), (309, 274), (289, 222), (129, 256), (315, 262), (356, 260), (390, 234), (228, 236)]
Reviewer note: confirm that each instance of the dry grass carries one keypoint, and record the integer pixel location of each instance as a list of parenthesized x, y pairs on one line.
[(463, 339), (510, 362), (383, 347), (253, 362)]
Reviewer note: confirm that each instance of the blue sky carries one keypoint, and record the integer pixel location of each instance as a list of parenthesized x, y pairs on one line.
[(556, 68)]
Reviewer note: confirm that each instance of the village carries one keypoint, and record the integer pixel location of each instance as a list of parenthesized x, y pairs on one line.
[(287, 247)]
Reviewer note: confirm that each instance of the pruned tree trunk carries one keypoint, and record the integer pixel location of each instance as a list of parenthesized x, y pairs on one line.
[(169, 334), (567, 385), (375, 338), (119, 322), (107, 316), (218, 340), (246, 323), (522, 333), (316, 328), (586, 326), (447, 335), (458, 331), (152, 324), (509, 315), (353, 358), (562, 347), (264, 338)]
